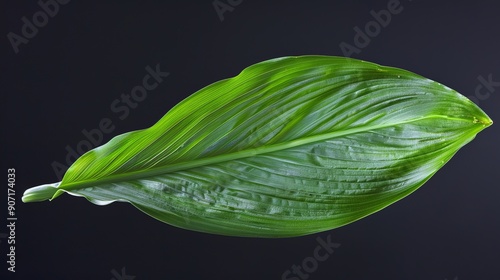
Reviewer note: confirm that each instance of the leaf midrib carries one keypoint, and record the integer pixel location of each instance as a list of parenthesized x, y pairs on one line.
[(235, 155)]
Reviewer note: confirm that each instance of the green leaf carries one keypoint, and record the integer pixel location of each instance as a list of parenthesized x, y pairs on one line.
[(290, 146)]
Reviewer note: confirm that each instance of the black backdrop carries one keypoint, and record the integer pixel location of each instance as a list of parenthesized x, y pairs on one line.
[(81, 59)]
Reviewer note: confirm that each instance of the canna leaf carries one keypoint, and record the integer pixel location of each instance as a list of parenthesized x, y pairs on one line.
[(289, 147)]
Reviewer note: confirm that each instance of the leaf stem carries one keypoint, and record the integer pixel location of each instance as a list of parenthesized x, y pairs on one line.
[(40, 193)]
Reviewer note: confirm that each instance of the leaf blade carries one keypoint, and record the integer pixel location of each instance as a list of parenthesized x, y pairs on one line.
[(201, 167)]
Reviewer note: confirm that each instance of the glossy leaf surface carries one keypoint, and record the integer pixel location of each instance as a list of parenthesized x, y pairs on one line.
[(289, 147)]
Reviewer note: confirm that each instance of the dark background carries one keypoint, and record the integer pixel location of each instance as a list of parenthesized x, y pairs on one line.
[(65, 78)]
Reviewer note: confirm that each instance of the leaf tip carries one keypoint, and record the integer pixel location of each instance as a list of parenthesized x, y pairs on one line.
[(485, 121)]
